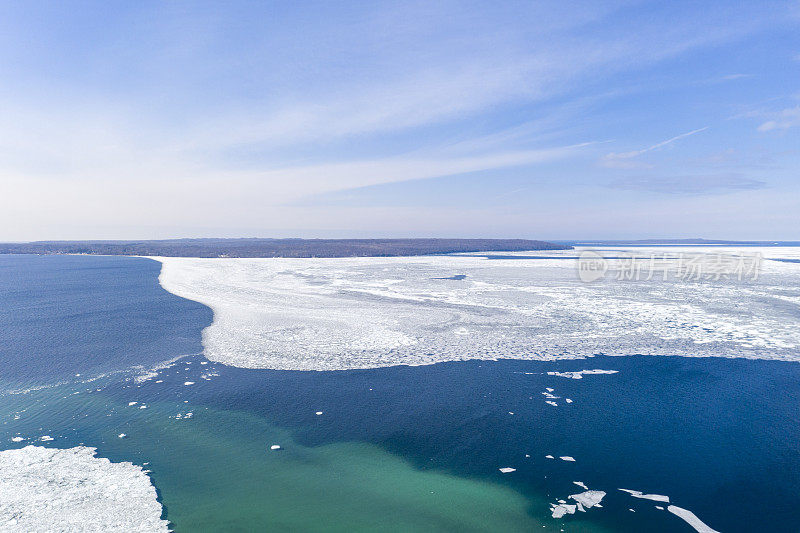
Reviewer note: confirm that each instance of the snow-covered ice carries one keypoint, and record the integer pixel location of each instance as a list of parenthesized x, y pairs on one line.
[(48, 489), (366, 312), (507, 470)]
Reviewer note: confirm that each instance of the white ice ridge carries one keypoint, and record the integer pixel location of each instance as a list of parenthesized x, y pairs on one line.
[(366, 312), (580, 373), (48, 489)]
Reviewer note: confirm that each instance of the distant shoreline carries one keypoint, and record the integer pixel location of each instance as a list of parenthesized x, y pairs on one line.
[(279, 247)]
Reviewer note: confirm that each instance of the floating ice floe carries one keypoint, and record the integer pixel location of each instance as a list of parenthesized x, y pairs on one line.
[(688, 516), (567, 458), (691, 519), (188, 382), (654, 497), (584, 500), (589, 498), (581, 484), (551, 402), (45, 438), (559, 510), (507, 470), (132, 403), (318, 413), (50, 489), (17, 439), (567, 400), (122, 435), (549, 457), (275, 447), (580, 373)]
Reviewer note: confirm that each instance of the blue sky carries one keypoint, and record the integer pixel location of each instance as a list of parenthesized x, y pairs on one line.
[(553, 120)]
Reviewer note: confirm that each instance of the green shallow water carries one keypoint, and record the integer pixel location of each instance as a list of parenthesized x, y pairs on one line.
[(215, 472)]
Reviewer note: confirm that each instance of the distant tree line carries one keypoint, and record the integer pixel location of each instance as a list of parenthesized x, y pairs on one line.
[(278, 247)]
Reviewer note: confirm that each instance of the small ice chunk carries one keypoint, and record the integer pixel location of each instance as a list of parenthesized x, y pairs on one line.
[(188, 382), (581, 484), (551, 402), (275, 447), (589, 499), (45, 438), (132, 403), (507, 470), (122, 435), (568, 400), (17, 439), (659, 508), (580, 373), (567, 458), (548, 389), (549, 457), (142, 407), (691, 519), (318, 413)]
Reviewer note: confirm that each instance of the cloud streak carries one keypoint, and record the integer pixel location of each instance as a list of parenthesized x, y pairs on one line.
[(618, 159)]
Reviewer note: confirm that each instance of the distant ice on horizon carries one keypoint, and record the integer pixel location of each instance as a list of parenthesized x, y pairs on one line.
[(367, 312)]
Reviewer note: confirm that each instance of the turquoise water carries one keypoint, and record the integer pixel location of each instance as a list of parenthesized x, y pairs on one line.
[(395, 449)]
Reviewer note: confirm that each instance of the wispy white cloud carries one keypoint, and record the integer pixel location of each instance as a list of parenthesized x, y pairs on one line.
[(621, 159), (782, 120)]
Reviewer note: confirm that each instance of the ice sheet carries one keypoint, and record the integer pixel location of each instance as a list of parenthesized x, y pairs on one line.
[(48, 489), (332, 314)]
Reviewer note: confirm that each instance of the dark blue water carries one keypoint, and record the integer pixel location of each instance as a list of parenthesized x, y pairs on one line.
[(65, 315), (719, 436)]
